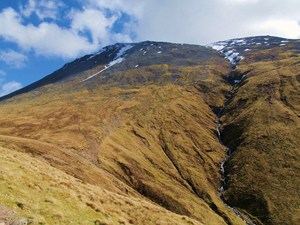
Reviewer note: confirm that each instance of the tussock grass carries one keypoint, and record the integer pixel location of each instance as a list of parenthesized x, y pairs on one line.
[(261, 125)]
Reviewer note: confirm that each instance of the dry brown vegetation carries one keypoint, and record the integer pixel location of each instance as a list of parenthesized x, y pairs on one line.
[(262, 126), (140, 146), (151, 141)]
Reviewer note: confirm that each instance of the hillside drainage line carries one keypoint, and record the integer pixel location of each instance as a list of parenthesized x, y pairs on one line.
[(228, 150)]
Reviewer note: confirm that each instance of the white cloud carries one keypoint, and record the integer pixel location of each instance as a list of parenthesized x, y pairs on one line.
[(50, 39), (95, 22), (9, 87), (42, 8), (290, 28), (13, 58), (45, 39), (132, 7), (200, 22)]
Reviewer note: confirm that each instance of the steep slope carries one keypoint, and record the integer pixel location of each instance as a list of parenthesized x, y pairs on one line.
[(261, 126), (138, 122)]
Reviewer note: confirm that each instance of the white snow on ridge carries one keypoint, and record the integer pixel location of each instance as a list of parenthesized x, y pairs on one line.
[(124, 50), (233, 57), (218, 47), (118, 59), (239, 41), (226, 48), (97, 53)]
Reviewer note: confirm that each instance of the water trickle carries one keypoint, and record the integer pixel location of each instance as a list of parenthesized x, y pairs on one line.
[(228, 151)]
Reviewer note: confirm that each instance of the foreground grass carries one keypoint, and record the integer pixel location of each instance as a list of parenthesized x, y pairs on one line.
[(35, 189)]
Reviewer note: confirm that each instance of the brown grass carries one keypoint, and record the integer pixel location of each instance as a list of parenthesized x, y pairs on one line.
[(150, 143), (262, 126)]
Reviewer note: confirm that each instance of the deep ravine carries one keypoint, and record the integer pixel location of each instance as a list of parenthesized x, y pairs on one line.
[(234, 83)]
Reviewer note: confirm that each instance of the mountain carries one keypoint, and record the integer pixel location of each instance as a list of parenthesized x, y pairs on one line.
[(157, 133)]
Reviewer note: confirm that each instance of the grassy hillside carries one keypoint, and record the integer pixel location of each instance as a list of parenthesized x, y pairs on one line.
[(151, 139), (32, 188), (262, 127), (137, 142)]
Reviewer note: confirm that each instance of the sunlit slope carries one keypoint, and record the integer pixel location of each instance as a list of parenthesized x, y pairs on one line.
[(33, 188), (262, 126), (146, 132)]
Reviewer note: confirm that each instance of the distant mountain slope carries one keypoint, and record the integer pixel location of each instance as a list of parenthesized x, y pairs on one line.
[(112, 58), (137, 122)]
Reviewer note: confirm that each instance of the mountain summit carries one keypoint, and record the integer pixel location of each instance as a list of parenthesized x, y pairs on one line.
[(157, 133)]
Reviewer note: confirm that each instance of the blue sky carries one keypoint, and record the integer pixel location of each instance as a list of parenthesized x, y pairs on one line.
[(38, 37)]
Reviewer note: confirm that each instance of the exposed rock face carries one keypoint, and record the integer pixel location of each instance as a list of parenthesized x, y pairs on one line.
[(134, 125)]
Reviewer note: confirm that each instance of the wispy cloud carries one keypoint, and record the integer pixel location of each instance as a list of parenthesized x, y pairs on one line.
[(42, 8), (9, 87), (2, 74), (13, 58)]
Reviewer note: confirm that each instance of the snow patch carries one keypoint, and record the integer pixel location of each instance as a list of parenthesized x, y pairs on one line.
[(136, 66), (239, 41), (232, 56), (248, 50), (225, 47), (118, 59), (159, 52), (123, 50), (218, 47), (97, 53)]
